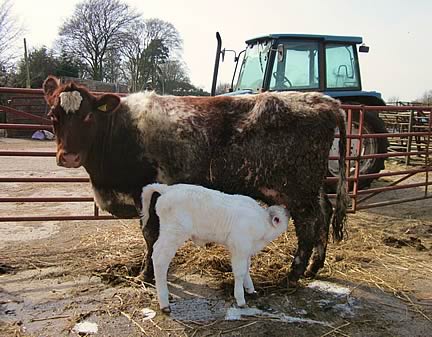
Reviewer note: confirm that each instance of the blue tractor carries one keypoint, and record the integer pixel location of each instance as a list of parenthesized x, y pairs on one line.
[(304, 62)]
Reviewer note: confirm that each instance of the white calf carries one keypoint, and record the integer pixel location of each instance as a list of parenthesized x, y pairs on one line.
[(203, 215)]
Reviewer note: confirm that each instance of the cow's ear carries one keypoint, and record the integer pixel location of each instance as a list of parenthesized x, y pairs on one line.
[(49, 86), (107, 103)]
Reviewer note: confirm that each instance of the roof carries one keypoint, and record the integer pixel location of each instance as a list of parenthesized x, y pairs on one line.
[(329, 38)]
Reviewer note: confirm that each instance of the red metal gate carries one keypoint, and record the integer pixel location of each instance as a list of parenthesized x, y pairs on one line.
[(409, 141), (409, 135)]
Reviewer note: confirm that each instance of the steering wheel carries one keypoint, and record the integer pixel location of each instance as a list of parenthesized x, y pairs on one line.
[(285, 80)]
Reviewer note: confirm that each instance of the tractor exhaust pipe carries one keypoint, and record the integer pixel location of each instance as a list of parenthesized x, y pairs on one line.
[(216, 65)]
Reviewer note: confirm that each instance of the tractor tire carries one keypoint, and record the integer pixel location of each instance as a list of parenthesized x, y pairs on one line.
[(372, 124)]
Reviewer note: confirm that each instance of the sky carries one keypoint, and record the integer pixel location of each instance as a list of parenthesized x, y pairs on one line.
[(398, 32)]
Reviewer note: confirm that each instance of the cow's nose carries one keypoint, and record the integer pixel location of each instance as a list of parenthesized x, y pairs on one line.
[(71, 160)]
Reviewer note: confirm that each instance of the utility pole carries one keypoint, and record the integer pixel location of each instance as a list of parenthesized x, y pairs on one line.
[(26, 65)]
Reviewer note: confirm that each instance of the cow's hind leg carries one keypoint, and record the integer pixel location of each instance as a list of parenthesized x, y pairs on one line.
[(305, 222), (321, 240), (151, 233)]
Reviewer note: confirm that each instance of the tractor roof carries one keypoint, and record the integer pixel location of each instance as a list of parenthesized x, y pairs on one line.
[(329, 38)]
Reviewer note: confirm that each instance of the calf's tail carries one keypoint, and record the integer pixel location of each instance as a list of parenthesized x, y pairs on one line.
[(146, 196), (339, 216)]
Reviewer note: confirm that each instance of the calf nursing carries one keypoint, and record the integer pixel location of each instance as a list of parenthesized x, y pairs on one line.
[(204, 215)]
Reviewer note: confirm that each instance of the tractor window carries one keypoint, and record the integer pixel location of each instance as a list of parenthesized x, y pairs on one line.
[(253, 67), (298, 69), (342, 68)]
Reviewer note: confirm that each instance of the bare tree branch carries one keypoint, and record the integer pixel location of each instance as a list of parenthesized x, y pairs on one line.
[(149, 44), (9, 32), (95, 30)]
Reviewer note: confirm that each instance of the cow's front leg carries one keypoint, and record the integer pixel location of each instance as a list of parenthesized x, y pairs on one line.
[(151, 234), (321, 239), (305, 223)]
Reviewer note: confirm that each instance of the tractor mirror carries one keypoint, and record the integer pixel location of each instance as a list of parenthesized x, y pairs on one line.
[(363, 48), (280, 52)]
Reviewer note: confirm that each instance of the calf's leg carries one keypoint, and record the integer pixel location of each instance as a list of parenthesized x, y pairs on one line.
[(247, 282), (151, 233), (164, 250), (239, 266)]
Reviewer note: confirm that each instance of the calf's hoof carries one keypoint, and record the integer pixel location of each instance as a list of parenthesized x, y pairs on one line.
[(166, 310), (253, 294)]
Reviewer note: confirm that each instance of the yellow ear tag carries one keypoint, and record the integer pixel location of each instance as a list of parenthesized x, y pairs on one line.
[(103, 108)]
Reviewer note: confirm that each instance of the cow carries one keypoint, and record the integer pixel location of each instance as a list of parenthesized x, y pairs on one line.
[(271, 146), (204, 215)]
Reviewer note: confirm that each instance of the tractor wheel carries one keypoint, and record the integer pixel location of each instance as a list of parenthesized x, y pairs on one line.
[(372, 124)]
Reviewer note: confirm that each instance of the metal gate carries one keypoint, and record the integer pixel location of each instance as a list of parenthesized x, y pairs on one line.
[(409, 132)]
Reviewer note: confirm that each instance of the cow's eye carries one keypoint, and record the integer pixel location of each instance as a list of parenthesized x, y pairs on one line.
[(88, 118)]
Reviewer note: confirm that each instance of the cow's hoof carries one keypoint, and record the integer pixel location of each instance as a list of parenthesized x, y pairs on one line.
[(243, 306), (310, 274), (166, 310), (148, 277), (292, 283)]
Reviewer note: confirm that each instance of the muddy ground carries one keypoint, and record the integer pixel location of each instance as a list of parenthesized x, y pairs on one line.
[(55, 275)]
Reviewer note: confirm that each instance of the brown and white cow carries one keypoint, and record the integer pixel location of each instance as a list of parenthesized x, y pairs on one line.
[(270, 146)]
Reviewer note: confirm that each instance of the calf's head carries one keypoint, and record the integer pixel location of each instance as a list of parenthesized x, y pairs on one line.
[(77, 115)]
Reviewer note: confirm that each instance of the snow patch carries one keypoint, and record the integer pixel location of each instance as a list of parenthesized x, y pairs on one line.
[(85, 328), (334, 289), (234, 314), (148, 314)]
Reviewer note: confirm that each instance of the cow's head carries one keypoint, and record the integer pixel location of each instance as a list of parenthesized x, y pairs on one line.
[(76, 115)]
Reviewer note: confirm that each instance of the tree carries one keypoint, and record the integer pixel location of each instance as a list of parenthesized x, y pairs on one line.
[(173, 80), (426, 98), (68, 65), (43, 62), (173, 77), (96, 29), (393, 100), (113, 67), (149, 45), (222, 88), (9, 33)]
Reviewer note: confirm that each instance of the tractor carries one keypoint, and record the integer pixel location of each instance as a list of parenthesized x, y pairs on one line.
[(305, 62)]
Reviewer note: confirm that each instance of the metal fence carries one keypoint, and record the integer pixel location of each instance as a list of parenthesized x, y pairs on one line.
[(409, 137), (414, 177)]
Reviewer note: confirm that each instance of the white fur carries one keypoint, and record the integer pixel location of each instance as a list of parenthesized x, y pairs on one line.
[(70, 101), (203, 215)]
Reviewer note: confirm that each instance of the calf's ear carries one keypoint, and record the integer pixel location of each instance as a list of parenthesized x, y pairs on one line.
[(49, 86), (275, 221), (107, 103)]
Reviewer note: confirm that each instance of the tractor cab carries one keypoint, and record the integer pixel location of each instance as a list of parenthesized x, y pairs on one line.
[(302, 62)]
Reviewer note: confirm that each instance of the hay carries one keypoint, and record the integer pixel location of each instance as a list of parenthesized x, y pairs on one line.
[(116, 255), (362, 259)]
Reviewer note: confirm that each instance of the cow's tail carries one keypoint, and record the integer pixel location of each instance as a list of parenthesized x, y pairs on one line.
[(339, 215), (146, 196)]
